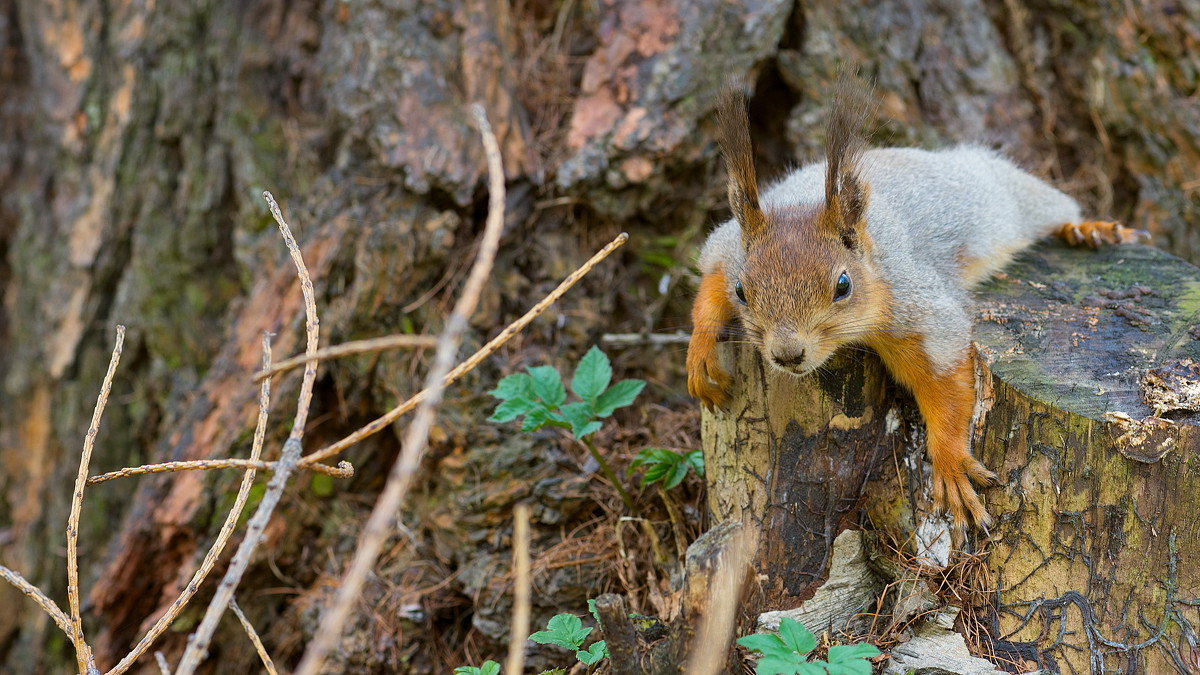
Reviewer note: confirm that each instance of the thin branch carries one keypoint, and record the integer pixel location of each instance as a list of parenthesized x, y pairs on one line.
[(235, 512), (400, 477), (258, 645), (349, 348), (198, 643), (163, 666), (83, 653), (521, 591), (383, 422), (657, 339), (60, 618), (343, 470)]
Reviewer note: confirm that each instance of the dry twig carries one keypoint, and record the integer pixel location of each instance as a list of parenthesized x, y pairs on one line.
[(198, 643), (350, 348), (235, 512), (83, 653), (43, 601), (521, 591), (343, 470), (258, 645), (380, 522), (163, 666)]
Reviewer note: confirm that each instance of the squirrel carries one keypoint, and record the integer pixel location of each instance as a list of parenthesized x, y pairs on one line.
[(880, 248)]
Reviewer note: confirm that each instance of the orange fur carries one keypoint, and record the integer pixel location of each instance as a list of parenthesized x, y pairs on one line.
[(707, 381), (946, 401)]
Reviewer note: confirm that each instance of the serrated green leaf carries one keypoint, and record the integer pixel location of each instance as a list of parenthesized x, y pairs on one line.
[(764, 643), (814, 668), (517, 385), (678, 473), (593, 612), (619, 395), (695, 459), (512, 408), (589, 428), (796, 636), (851, 659), (564, 630), (466, 670), (592, 375), (654, 473), (778, 665), (579, 416), (535, 419), (489, 668), (548, 385), (594, 654)]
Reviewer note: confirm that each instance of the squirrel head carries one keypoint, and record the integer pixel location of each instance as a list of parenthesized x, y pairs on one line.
[(806, 285)]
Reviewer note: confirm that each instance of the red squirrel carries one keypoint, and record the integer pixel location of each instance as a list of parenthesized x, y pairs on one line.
[(879, 248)]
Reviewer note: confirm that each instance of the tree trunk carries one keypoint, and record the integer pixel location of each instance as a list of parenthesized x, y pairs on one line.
[(1094, 547)]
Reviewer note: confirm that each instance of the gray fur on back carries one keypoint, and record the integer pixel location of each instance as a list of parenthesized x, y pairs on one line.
[(931, 215)]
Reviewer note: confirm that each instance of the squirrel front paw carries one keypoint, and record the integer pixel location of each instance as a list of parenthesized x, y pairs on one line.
[(952, 491), (1094, 233), (707, 381)]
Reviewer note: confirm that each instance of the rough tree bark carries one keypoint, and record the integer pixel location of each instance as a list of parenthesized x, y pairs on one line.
[(1087, 410), (135, 140)]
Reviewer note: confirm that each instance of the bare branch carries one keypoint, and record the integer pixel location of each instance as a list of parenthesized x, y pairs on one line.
[(163, 666), (60, 618), (83, 653), (350, 348), (521, 591), (381, 423), (343, 470), (258, 645), (198, 644), (394, 491), (235, 512)]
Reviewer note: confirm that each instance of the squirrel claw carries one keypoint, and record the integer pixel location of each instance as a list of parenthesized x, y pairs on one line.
[(953, 493), (710, 384), (1097, 233)]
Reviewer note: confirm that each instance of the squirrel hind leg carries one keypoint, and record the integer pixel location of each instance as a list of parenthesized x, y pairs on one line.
[(1096, 233)]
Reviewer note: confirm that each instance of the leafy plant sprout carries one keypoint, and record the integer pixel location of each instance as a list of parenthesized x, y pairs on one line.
[(540, 397)]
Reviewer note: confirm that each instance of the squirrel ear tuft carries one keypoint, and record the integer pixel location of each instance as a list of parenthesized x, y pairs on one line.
[(733, 123), (846, 193)]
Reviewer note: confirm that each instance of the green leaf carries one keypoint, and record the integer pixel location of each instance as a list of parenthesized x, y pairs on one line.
[(592, 375), (513, 408), (489, 668), (593, 612), (536, 418), (779, 665), (619, 395), (518, 385), (763, 643), (467, 670), (564, 630), (695, 459), (594, 654), (814, 668), (678, 473), (548, 385), (851, 659), (579, 415), (796, 636)]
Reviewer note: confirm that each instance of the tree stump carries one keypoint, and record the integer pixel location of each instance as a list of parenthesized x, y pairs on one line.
[(1089, 392)]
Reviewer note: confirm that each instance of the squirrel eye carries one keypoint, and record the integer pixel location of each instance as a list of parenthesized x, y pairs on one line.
[(843, 287), (737, 288)]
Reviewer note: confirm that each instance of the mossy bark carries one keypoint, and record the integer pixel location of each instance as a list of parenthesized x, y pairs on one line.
[(1095, 544)]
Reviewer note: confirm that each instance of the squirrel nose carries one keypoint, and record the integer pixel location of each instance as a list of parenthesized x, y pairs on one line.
[(789, 360)]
